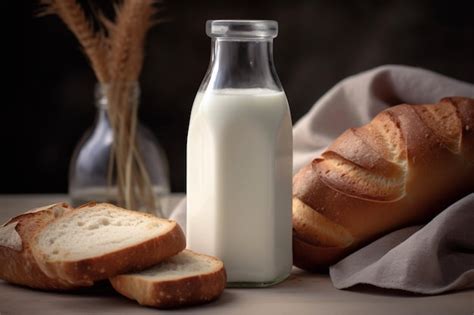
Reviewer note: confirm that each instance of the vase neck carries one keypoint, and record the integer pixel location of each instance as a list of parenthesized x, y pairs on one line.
[(103, 91)]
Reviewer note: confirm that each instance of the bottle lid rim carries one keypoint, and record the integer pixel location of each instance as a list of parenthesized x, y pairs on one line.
[(251, 29)]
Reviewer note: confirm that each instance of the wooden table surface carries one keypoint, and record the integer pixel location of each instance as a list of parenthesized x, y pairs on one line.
[(302, 293)]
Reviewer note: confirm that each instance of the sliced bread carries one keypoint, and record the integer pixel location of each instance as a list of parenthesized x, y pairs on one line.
[(182, 280), (17, 264), (98, 241)]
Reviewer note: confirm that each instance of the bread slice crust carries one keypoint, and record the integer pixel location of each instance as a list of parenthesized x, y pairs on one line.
[(18, 266)]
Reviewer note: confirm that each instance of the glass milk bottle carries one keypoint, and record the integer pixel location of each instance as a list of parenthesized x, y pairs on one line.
[(239, 157)]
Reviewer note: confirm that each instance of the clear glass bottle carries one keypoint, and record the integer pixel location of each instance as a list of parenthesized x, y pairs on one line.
[(239, 157), (89, 167)]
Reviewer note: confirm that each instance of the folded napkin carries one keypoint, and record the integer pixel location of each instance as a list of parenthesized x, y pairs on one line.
[(431, 259)]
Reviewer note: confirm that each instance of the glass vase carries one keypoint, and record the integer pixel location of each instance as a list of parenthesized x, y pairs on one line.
[(91, 174)]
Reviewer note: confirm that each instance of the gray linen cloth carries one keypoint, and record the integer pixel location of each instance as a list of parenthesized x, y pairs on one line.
[(431, 259)]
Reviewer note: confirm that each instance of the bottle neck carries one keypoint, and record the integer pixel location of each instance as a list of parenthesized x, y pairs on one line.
[(241, 63)]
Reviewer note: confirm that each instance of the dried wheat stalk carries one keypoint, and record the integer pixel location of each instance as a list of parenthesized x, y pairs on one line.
[(127, 38), (93, 43), (117, 60), (127, 41)]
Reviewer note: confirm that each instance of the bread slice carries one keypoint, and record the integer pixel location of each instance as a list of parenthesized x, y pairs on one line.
[(182, 280), (98, 241), (17, 264)]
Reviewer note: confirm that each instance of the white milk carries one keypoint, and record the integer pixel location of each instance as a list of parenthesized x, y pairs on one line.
[(239, 157)]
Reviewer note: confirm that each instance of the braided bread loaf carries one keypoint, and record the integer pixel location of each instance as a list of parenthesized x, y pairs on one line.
[(402, 168)]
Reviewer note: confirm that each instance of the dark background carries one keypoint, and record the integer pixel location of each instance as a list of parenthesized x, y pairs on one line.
[(50, 104)]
